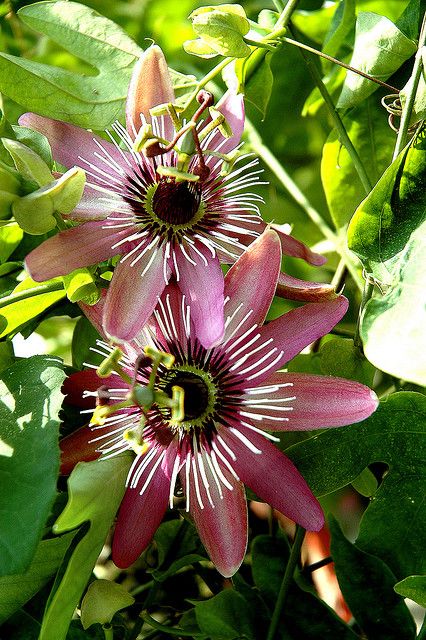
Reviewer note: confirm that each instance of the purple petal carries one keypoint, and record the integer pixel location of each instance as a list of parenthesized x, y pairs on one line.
[(203, 286), (260, 263), (232, 107), (78, 247), (150, 86), (140, 515), (294, 289), (91, 207), (222, 527), (319, 402), (273, 477), (296, 249), (132, 295), (70, 144)]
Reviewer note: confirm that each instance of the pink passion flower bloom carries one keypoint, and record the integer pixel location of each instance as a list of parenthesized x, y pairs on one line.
[(160, 225), (233, 398)]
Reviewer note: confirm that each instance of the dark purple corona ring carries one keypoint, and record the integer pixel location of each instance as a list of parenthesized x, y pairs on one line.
[(233, 397), (175, 211)]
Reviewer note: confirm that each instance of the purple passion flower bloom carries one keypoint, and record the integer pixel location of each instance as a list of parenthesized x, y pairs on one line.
[(233, 398), (160, 221)]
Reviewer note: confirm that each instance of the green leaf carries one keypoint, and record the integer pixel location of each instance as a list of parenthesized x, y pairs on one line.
[(413, 587), (178, 546), (35, 141), (393, 526), (89, 485), (370, 135), (88, 101), (388, 232), (7, 358), (102, 601), (305, 616), (199, 48), (84, 337), (226, 616), (366, 483), (10, 237), (380, 49), (30, 427), (18, 589), (367, 586), (396, 206), (16, 314)]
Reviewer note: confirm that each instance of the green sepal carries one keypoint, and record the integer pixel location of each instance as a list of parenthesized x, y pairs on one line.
[(35, 212), (80, 285), (27, 162), (223, 28)]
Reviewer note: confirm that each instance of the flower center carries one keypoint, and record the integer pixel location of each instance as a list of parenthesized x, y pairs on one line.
[(176, 203), (196, 391)]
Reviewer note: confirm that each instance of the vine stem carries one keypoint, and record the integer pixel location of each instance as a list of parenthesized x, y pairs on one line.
[(409, 104), (338, 123), (286, 582), (291, 187), (30, 293)]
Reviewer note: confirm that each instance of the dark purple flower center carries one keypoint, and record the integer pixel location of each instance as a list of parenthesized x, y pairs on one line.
[(196, 398), (176, 202)]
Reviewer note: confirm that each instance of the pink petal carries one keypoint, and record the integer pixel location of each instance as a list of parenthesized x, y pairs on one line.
[(171, 300), (70, 144), (150, 86), (80, 246), (274, 478), (222, 528), (294, 289), (291, 333), (260, 263), (132, 295), (320, 402), (296, 249), (203, 286), (140, 515), (232, 107), (92, 208)]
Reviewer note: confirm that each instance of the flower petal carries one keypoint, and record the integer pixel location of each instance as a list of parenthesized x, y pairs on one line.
[(203, 286), (132, 295), (222, 527), (150, 86), (296, 249), (69, 143), (261, 262), (80, 246), (318, 402), (295, 289), (88, 380), (93, 207), (140, 515), (274, 478), (77, 447)]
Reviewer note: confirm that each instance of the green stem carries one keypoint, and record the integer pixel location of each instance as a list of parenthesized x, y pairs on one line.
[(108, 632), (296, 43), (286, 582), (285, 16), (291, 187), (30, 293), (170, 630), (338, 123), (409, 104)]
